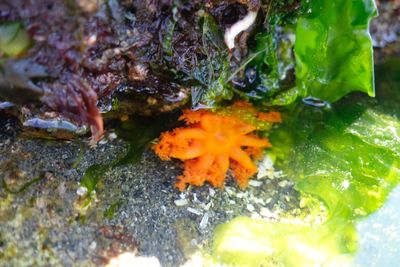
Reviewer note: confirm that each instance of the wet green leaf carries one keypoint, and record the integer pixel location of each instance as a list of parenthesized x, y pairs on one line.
[(334, 50)]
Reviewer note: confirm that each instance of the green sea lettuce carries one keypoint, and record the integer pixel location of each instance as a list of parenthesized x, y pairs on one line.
[(348, 158), (333, 49)]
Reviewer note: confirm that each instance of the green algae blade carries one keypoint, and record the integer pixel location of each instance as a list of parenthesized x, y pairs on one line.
[(348, 158)]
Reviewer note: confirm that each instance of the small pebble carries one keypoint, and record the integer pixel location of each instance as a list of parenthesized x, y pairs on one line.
[(164, 208), (181, 202), (250, 207), (283, 183), (92, 246)]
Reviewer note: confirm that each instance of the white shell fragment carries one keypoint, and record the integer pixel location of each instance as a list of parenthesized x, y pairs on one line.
[(266, 168), (212, 192), (204, 221), (194, 211), (255, 183), (250, 207), (181, 202), (228, 190)]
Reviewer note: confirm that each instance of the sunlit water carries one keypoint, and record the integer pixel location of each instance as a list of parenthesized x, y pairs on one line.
[(379, 235)]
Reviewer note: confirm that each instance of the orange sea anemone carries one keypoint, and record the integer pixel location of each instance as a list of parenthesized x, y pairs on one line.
[(210, 144)]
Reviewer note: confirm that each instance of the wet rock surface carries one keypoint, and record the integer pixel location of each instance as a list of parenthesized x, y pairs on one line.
[(385, 30), (146, 54)]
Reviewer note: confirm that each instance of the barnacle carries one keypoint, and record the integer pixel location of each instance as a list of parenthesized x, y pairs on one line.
[(210, 144)]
